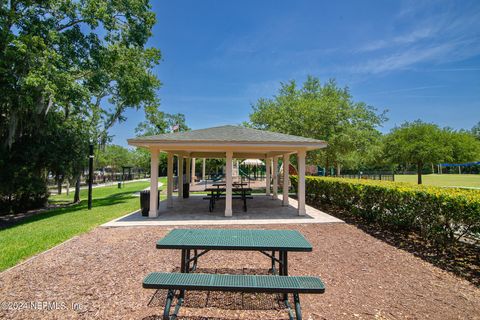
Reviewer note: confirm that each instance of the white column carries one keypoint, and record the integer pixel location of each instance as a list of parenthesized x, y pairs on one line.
[(228, 196), (180, 176), (187, 170), (203, 168), (153, 213), (193, 170), (169, 180), (267, 176), (275, 178), (301, 182), (286, 179)]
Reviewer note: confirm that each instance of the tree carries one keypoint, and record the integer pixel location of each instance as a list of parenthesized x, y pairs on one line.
[(476, 130), (115, 157), (158, 122), (324, 112), (465, 147), (80, 64), (419, 143)]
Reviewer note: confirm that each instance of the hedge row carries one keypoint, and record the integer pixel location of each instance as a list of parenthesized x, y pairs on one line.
[(439, 214)]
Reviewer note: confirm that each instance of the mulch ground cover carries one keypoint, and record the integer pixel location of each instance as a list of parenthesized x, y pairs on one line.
[(461, 257), (99, 276)]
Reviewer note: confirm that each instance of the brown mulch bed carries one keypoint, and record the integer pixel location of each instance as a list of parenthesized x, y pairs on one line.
[(366, 278), (461, 258)]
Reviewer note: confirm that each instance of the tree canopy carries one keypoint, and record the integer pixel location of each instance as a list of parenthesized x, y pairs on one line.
[(422, 143), (325, 112), (158, 122), (68, 71)]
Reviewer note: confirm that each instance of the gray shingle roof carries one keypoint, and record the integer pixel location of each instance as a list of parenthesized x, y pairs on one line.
[(227, 133)]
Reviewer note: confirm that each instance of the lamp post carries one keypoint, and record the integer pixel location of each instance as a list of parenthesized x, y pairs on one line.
[(90, 176)]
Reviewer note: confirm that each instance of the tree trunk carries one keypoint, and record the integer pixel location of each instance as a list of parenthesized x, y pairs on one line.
[(68, 187), (76, 197), (59, 184), (419, 172), (327, 167), (339, 169)]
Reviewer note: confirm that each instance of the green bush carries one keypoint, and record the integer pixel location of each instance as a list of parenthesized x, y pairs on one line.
[(441, 215)]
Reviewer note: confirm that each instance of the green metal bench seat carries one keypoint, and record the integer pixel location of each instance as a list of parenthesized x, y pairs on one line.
[(233, 283)]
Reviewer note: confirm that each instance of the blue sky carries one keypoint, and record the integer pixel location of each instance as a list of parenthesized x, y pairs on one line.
[(418, 59)]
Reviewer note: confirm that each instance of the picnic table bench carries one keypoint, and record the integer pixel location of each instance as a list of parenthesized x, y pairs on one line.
[(182, 282), (194, 243)]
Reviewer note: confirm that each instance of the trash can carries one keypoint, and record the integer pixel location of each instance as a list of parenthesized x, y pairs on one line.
[(145, 201), (119, 185), (186, 190)]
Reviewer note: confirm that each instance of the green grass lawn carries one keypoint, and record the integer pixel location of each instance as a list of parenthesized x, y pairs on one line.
[(45, 230), (443, 180)]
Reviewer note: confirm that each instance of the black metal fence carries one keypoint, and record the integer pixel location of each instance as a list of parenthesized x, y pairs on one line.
[(369, 176)]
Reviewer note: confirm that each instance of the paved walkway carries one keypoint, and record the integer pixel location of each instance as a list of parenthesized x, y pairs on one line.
[(194, 211)]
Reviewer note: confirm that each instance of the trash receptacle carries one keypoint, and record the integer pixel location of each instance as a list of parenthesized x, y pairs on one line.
[(145, 201), (119, 185), (186, 190)]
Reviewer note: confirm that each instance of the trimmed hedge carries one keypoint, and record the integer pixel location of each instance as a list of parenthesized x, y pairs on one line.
[(439, 214)]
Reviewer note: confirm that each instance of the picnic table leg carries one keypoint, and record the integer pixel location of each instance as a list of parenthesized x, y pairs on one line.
[(298, 310), (289, 307), (187, 260), (183, 261), (273, 262), (244, 196), (284, 267), (185, 268), (168, 305), (212, 204), (195, 252)]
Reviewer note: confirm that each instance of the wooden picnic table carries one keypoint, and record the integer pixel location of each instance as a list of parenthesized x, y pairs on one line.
[(268, 242)]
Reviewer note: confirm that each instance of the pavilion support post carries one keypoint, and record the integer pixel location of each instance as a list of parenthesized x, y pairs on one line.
[(193, 170), (153, 213), (229, 178), (169, 180), (275, 178), (180, 176), (187, 170), (204, 164), (267, 176), (286, 179), (301, 154)]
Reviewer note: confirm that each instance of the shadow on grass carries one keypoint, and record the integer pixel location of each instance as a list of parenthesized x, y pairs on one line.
[(110, 200), (462, 259)]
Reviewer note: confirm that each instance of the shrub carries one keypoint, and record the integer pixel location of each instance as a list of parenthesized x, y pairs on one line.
[(441, 215)]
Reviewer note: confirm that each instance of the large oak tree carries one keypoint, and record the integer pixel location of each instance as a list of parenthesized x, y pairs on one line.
[(77, 65)]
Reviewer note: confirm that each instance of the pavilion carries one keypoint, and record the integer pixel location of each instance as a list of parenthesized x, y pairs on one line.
[(230, 142)]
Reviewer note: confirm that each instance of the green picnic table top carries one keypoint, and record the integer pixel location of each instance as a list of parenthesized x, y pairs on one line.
[(235, 239)]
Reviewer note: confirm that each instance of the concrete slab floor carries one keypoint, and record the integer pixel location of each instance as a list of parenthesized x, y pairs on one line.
[(262, 209)]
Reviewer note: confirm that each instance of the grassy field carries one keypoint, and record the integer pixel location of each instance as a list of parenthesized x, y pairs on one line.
[(444, 180), (45, 230)]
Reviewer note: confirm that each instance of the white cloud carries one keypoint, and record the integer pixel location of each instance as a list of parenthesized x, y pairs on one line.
[(438, 34)]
